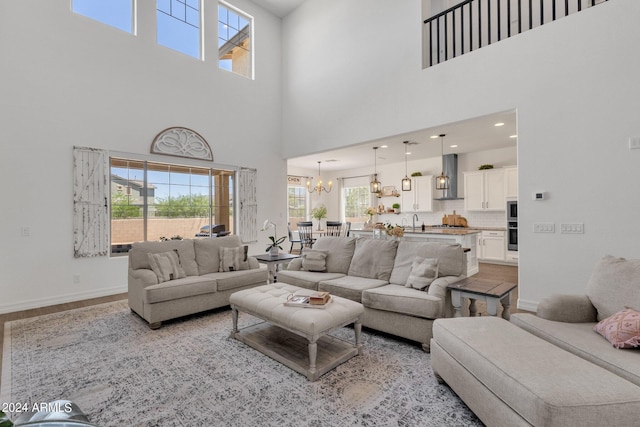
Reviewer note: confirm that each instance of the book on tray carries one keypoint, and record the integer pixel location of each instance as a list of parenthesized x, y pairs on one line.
[(308, 298)]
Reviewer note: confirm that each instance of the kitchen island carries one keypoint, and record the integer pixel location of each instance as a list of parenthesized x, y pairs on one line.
[(467, 238)]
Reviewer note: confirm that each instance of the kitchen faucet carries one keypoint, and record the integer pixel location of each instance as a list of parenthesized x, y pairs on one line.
[(413, 222)]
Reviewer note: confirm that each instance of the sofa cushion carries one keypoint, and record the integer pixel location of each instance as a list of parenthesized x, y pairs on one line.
[(423, 272), (373, 258), (207, 252), (400, 299), (238, 279), (314, 260), (450, 259), (138, 254), (350, 287), (339, 252), (234, 259), (579, 339), (305, 279), (181, 288), (621, 329), (166, 266), (614, 285)]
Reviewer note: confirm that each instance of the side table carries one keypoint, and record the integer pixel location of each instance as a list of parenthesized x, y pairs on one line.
[(273, 263), (489, 291)]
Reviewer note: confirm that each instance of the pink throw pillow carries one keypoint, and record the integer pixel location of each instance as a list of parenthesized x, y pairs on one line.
[(621, 329)]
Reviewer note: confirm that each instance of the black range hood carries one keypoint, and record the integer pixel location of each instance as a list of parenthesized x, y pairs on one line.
[(450, 169)]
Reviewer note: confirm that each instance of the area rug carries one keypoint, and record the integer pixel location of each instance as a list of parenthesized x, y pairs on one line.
[(191, 373)]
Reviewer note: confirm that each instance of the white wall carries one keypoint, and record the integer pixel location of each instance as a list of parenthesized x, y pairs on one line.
[(353, 74), (68, 80)]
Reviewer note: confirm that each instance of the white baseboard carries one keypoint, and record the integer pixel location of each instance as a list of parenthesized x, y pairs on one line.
[(527, 305), (61, 299)]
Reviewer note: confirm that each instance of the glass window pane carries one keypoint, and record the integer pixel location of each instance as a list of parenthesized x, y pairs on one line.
[(116, 13), (180, 201), (178, 26), (234, 45)]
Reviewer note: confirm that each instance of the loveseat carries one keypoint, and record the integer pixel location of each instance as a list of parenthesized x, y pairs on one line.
[(176, 278), (561, 366), (402, 285), (568, 320)]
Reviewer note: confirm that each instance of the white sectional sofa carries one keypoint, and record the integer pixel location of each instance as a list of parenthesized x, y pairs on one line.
[(375, 273), (204, 286)]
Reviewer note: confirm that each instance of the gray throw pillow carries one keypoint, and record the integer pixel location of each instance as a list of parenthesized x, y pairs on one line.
[(423, 272), (234, 259), (166, 265), (314, 260)]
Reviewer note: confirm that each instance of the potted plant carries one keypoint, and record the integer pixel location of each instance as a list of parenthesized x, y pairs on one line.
[(319, 213), (396, 207), (274, 247)]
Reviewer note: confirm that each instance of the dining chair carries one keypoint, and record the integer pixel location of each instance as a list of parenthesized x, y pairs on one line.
[(292, 240), (334, 228), (305, 231), (347, 228)]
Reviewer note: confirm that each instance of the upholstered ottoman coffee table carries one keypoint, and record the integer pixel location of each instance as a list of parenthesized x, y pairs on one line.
[(296, 336)]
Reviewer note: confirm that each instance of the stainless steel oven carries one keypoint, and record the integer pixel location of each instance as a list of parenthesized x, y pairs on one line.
[(512, 211), (512, 235), (512, 229)]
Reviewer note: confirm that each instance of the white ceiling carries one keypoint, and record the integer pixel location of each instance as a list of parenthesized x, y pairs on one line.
[(279, 8), (473, 135)]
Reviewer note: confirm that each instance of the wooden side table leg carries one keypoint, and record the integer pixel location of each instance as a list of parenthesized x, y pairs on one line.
[(456, 301), (472, 307), (492, 306), (506, 304)]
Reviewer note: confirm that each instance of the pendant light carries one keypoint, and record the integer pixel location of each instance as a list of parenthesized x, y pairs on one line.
[(375, 185), (318, 187), (406, 181), (442, 181)]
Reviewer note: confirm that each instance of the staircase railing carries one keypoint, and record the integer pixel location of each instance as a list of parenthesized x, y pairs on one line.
[(473, 24)]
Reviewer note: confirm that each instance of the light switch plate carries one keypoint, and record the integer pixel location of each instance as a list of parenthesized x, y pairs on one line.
[(572, 228), (544, 227), (634, 142)]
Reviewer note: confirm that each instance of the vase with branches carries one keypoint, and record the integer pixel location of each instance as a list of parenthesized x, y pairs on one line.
[(319, 213)]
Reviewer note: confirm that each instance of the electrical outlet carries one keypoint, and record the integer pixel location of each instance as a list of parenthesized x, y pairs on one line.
[(76, 278), (544, 227), (572, 228), (634, 142), (25, 231)]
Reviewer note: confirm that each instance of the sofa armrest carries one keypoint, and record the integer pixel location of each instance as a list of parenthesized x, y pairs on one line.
[(438, 287), (253, 263), (141, 278), (567, 308), (295, 264)]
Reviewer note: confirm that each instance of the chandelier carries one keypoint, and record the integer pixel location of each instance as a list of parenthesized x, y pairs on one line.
[(318, 187)]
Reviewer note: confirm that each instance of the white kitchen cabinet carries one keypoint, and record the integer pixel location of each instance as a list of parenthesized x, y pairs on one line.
[(511, 185), (484, 190), (491, 246), (420, 198)]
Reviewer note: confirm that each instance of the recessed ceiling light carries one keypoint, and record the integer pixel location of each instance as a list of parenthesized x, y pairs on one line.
[(499, 124), (384, 146), (408, 152), (454, 146), (435, 136), (513, 136)]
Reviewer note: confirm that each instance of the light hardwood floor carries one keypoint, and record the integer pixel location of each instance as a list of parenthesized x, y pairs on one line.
[(487, 271)]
